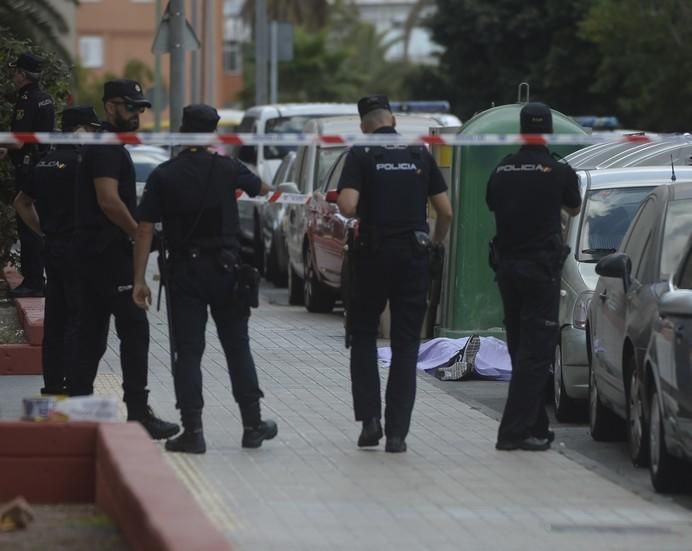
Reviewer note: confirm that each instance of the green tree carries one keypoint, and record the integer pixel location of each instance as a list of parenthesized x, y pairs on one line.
[(645, 60), (56, 80), (36, 20), (490, 47)]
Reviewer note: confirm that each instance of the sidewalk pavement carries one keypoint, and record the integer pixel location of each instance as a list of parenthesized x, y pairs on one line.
[(312, 488)]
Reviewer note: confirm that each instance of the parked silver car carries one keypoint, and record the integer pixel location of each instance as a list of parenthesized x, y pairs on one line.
[(271, 218), (610, 200)]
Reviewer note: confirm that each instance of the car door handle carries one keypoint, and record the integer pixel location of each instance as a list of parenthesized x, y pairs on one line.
[(603, 295)]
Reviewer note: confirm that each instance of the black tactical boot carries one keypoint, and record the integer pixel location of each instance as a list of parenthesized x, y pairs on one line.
[(395, 444), (255, 431), (157, 428), (254, 436), (192, 438)]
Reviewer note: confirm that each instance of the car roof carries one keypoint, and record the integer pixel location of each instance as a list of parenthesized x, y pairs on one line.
[(298, 109), (405, 124), (637, 177), (676, 149)]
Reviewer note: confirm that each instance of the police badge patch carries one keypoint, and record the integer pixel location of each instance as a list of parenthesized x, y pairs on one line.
[(19, 115)]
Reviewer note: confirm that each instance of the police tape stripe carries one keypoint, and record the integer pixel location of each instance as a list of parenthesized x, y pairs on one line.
[(143, 138), (274, 197)]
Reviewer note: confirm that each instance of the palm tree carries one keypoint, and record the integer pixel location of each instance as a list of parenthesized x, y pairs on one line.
[(312, 15), (413, 20), (36, 20)]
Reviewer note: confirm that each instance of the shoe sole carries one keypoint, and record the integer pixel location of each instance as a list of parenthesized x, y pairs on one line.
[(162, 435)]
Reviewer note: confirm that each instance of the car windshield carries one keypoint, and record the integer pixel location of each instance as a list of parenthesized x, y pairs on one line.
[(285, 125), (677, 231), (607, 214)]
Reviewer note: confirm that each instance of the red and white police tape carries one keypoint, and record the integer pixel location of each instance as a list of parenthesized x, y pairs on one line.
[(274, 197), (161, 138)]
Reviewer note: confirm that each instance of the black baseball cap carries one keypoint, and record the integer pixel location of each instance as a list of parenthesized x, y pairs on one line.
[(199, 117), (129, 90), (79, 115), (371, 103), (536, 118), (27, 62)]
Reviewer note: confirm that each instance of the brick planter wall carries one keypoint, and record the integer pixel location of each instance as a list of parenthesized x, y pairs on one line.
[(114, 465), (23, 359)]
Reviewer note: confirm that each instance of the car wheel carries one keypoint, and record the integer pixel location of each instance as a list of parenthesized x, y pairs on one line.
[(604, 425), (665, 469), (636, 422), (258, 246), (295, 287), (318, 298), (566, 409)]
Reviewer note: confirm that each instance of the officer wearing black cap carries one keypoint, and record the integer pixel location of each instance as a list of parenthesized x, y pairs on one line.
[(106, 227), (193, 196), (46, 204), (526, 193), (387, 188), (33, 112)]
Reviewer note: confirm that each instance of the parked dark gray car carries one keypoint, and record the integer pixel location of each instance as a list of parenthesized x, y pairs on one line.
[(623, 311), (668, 373)]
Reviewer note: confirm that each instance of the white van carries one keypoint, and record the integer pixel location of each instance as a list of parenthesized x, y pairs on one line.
[(281, 119), (264, 160)]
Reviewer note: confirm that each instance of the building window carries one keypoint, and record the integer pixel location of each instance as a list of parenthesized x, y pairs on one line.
[(232, 58), (91, 51)]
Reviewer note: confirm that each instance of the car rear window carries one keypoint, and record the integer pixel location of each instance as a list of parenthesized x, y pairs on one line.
[(607, 214), (678, 229)]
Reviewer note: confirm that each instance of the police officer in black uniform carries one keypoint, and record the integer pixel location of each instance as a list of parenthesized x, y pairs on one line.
[(107, 199), (526, 193), (33, 112), (387, 188), (193, 196), (46, 204)]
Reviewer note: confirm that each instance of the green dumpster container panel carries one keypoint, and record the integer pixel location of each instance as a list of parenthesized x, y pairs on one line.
[(473, 302)]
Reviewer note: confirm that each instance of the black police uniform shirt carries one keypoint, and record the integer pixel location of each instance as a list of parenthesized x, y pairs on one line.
[(33, 112), (104, 161), (52, 186), (526, 192), (394, 183), (194, 196)]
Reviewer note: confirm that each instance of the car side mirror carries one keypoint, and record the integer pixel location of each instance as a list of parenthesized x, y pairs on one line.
[(331, 196), (676, 303), (617, 265), (288, 187)]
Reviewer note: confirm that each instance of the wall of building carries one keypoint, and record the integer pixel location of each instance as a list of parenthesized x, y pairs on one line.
[(110, 33)]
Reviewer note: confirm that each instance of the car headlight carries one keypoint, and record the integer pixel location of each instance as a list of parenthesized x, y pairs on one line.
[(581, 310)]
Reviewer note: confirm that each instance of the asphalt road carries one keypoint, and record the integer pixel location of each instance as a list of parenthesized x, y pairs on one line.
[(608, 459)]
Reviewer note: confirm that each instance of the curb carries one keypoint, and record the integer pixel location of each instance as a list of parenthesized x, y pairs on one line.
[(24, 359), (116, 466)]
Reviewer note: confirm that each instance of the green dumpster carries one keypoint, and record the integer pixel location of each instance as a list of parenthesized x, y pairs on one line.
[(470, 302)]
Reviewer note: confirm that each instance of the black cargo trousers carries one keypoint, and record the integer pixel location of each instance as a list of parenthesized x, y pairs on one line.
[(106, 281), (31, 244), (395, 271), (198, 283), (530, 289), (60, 331)]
